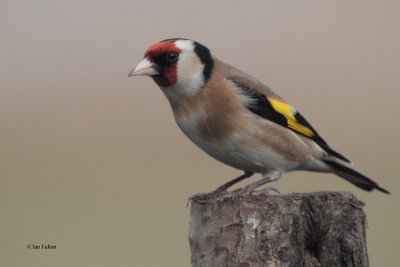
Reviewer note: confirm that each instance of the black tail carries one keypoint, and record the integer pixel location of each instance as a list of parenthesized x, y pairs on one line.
[(334, 153), (354, 177)]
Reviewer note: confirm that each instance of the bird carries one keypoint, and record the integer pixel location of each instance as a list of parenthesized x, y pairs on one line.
[(237, 119)]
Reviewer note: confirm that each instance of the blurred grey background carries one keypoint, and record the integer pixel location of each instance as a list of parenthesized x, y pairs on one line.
[(91, 161)]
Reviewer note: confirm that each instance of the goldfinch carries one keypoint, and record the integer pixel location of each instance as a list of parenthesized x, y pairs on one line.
[(237, 119)]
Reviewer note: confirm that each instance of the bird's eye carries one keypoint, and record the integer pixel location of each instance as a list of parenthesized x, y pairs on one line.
[(172, 56)]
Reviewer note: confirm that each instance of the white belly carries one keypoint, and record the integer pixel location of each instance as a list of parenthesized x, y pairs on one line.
[(240, 150)]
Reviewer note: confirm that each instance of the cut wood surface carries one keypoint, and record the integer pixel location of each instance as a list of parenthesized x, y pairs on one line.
[(307, 229)]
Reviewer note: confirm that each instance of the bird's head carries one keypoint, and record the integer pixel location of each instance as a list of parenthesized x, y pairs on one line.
[(179, 66)]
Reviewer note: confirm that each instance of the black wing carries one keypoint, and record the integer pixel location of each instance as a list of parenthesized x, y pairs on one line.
[(285, 115)]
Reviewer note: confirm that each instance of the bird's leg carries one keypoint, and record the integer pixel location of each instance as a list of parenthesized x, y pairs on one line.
[(225, 186), (267, 178), (221, 189)]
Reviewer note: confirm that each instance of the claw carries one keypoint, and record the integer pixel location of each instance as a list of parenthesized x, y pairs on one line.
[(221, 193), (221, 190), (265, 191)]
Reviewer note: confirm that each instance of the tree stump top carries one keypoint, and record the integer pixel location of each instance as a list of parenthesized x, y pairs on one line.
[(299, 229)]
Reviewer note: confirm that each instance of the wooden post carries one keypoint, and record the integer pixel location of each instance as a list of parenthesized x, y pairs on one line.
[(311, 229)]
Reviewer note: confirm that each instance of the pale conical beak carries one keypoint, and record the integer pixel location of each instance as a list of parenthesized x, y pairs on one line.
[(145, 68)]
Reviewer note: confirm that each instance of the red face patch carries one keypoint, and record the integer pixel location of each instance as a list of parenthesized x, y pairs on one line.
[(169, 76), (169, 73), (160, 48)]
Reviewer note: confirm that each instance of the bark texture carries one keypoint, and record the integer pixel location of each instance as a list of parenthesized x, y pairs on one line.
[(312, 229)]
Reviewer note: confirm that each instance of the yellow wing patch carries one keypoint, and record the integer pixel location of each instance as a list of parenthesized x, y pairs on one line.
[(289, 113)]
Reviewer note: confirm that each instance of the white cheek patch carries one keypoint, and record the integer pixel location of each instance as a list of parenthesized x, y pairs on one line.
[(190, 69), (190, 72)]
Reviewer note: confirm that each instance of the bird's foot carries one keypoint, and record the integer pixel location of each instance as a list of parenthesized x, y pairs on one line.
[(222, 195), (261, 192), (251, 188), (217, 194)]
